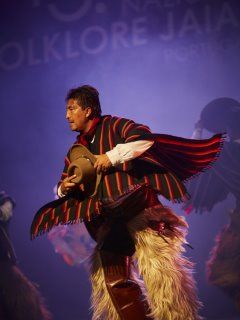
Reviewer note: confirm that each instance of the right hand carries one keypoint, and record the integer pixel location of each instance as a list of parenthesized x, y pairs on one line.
[(67, 185)]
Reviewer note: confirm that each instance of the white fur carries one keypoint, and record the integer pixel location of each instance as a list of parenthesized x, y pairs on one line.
[(166, 273), (101, 302)]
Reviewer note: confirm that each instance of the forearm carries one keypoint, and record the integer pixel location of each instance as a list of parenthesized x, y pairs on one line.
[(128, 151)]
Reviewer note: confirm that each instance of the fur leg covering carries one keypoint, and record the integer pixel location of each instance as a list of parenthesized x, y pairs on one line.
[(19, 298), (166, 273), (117, 294), (101, 301)]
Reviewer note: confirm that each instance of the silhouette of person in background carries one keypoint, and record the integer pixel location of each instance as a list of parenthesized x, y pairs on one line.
[(212, 187), (19, 297)]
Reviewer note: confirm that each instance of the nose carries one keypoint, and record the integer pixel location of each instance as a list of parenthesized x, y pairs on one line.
[(67, 114)]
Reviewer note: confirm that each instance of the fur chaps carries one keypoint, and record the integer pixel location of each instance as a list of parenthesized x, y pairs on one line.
[(19, 298), (101, 302), (167, 275)]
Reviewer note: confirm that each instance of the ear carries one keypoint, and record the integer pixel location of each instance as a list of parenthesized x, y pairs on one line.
[(88, 112)]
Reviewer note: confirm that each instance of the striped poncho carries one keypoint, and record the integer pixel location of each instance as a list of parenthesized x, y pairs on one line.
[(164, 167)]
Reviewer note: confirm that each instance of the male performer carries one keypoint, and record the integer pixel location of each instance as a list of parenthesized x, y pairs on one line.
[(124, 214)]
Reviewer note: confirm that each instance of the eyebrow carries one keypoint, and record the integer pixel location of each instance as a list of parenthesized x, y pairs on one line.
[(70, 106)]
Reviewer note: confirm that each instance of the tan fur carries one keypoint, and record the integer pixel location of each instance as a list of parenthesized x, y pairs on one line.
[(101, 302), (166, 273)]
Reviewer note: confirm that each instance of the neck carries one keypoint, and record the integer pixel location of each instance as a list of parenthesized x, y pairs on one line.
[(88, 126)]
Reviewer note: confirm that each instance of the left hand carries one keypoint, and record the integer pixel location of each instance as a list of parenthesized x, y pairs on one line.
[(102, 163)]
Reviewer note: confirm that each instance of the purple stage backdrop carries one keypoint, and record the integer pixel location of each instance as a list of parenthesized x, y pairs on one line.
[(157, 62)]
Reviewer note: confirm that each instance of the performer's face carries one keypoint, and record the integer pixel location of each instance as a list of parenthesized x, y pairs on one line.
[(6, 211), (77, 117)]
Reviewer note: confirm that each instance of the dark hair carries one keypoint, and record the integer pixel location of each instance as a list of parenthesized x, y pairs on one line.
[(86, 96)]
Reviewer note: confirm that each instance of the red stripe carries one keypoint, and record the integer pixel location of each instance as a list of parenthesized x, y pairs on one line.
[(108, 186), (67, 161), (150, 159), (111, 140), (102, 135), (64, 206), (157, 180), (119, 182), (56, 220), (208, 160), (52, 214), (180, 187), (129, 177), (196, 153), (87, 209), (132, 137), (130, 180), (41, 219), (128, 129), (147, 180), (116, 123), (97, 207), (170, 187), (118, 176), (106, 180), (142, 127), (196, 143), (129, 122), (77, 216), (164, 177), (182, 171), (66, 216), (45, 227)]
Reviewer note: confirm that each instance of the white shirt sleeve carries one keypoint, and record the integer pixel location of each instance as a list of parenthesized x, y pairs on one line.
[(59, 192), (127, 151)]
